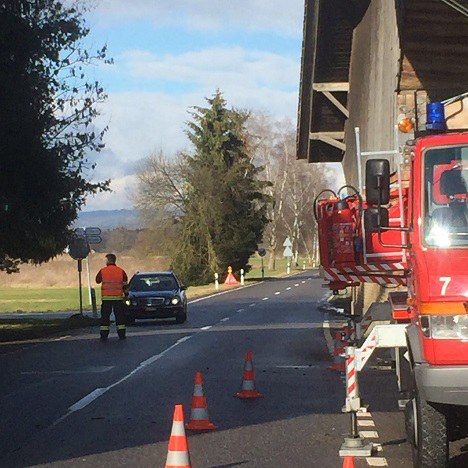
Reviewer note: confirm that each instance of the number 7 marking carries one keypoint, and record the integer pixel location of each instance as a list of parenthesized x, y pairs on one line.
[(446, 280)]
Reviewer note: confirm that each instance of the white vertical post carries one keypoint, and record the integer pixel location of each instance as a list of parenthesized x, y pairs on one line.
[(303, 264), (288, 271), (216, 280), (88, 272), (242, 277)]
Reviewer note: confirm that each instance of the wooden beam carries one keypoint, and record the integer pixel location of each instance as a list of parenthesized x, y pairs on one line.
[(334, 135), (325, 138), (333, 87), (336, 103)]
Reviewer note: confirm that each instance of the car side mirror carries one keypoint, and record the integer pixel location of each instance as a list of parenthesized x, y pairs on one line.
[(377, 181), (371, 219)]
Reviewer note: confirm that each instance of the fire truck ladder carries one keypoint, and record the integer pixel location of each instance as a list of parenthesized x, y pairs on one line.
[(396, 158)]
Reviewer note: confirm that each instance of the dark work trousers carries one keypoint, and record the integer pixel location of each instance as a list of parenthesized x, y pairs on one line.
[(107, 308)]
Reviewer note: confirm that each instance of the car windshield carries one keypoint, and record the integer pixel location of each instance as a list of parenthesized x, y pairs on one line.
[(142, 283), (446, 196)]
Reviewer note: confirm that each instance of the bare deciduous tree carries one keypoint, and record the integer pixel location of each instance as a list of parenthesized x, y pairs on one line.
[(162, 186)]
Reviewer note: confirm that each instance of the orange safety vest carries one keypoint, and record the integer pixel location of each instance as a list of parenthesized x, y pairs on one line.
[(113, 281)]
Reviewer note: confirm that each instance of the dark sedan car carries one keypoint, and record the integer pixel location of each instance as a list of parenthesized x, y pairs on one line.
[(156, 294)]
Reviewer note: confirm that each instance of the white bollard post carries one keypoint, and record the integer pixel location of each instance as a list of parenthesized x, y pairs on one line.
[(242, 277), (304, 265), (216, 281), (288, 271)]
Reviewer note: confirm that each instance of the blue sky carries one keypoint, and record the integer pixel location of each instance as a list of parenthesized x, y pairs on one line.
[(169, 55)]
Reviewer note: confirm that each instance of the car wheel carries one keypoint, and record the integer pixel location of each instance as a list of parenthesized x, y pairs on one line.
[(181, 316)]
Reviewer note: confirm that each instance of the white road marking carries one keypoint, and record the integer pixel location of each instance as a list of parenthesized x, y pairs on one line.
[(376, 461), (302, 282), (206, 328), (296, 285), (224, 292), (369, 434), (364, 414), (366, 423), (265, 299), (95, 394), (377, 447), (287, 289), (225, 319), (60, 338), (252, 305), (240, 310), (277, 293)]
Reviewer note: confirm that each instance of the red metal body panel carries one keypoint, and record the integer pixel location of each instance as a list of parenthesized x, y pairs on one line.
[(436, 274)]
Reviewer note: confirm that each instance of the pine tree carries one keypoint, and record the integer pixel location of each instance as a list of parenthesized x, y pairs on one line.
[(226, 206)]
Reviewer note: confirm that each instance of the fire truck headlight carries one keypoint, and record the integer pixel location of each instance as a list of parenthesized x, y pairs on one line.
[(449, 327)]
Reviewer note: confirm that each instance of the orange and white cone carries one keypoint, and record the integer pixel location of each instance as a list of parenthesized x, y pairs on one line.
[(248, 380), (348, 462), (199, 420), (178, 455)]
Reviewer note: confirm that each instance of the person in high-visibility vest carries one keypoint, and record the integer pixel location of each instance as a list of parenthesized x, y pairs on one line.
[(113, 280)]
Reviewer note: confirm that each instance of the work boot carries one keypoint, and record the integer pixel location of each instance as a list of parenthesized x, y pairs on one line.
[(104, 336), (122, 335)]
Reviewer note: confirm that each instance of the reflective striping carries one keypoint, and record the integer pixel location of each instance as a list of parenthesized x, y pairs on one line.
[(199, 413), (376, 461), (105, 327), (366, 423), (177, 459), (369, 434), (178, 428), (121, 327)]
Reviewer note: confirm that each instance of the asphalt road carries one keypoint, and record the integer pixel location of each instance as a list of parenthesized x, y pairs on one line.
[(74, 401)]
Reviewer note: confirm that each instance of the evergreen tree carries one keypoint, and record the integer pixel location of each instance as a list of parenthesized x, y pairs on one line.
[(47, 108), (225, 207)]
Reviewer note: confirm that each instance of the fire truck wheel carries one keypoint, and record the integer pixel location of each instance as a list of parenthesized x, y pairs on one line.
[(430, 441)]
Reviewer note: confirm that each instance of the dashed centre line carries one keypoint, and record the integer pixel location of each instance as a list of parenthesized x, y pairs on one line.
[(225, 319), (277, 293), (287, 289), (252, 305), (296, 285), (302, 282), (265, 299), (206, 328), (240, 310)]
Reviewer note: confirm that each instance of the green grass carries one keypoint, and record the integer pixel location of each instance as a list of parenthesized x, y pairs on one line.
[(20, 299), (280, 269), (42, 299)]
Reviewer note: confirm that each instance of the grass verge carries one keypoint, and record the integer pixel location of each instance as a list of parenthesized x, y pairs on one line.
[(29, 328)]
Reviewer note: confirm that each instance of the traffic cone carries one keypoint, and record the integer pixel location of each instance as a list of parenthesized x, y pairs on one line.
[(248, 380), (199, 420), (348, 462), (178, 455), (230, 278)]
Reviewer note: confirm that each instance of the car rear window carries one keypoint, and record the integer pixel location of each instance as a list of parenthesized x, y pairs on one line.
[(153, 283)]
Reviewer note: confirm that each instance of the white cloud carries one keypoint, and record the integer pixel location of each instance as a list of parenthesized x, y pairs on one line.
[(280, 16), (143, 121), (120, 196), (216, 67)]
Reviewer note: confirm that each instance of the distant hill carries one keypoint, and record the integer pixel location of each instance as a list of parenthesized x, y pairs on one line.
[(110, 219)]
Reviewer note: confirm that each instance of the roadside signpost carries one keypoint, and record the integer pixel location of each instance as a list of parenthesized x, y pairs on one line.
[(79, 250), (288, 253), (262, 252)]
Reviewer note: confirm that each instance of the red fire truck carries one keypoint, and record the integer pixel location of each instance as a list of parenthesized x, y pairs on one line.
[(406, 227)]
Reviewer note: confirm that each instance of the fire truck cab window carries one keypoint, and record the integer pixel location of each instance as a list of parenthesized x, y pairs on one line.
[(446, 197)]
